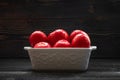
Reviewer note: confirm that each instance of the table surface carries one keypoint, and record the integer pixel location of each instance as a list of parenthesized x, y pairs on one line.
[(21, 69)]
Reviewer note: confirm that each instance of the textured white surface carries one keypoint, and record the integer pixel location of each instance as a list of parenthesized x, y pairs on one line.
[(60, 58)]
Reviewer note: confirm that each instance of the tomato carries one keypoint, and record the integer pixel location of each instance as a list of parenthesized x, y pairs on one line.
[(56, 35), (75, 32), (59, 38), (42, 45), (81, 40), (37, 36), (62, 43)]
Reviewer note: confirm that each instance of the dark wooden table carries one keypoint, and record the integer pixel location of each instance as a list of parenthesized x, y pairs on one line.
[(20, 69)]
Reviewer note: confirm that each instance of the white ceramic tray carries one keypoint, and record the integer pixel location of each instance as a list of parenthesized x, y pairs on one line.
[(60, 58)]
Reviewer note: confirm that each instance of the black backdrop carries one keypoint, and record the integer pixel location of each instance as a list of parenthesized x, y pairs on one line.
[(99, 18)]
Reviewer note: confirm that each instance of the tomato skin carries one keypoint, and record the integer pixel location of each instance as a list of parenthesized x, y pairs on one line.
[(37, 36), (75, 32), (56, 35), (60, 38), (42, 45), (81, 40), (62, 43)]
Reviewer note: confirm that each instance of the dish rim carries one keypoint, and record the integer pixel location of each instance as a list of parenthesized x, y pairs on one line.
[(30, 48)]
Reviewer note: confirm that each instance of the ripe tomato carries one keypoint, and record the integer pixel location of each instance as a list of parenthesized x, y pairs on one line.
[(37, 36), (56, 35), (42, 45), (81, 40), (75, 32), (62, 43)]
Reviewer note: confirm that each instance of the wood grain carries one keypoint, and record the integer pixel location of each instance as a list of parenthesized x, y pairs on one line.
[(100, 19)]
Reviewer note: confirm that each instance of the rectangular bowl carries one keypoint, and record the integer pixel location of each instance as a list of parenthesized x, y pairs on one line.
[(59, 58)]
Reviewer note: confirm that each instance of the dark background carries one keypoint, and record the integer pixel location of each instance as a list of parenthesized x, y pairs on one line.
[(99, 18)]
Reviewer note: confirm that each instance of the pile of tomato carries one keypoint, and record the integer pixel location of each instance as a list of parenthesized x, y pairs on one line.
[(60, 38)]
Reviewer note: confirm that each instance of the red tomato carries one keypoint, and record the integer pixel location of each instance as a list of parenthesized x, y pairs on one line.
[(62, 43), (75, 32), (42, 45), (56, 35), (81, 40), (37, 36)]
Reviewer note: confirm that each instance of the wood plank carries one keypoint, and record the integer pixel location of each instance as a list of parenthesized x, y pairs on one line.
[(99, 69), (108, 45), (16, 18), (100, 19)]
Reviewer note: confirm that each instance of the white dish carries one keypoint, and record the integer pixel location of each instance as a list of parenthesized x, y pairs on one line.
[(60, 58)]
